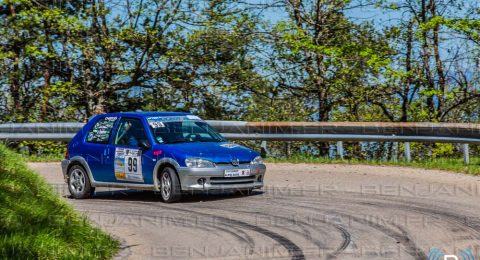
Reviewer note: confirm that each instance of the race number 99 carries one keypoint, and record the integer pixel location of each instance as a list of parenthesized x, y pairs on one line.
[(132, 164)]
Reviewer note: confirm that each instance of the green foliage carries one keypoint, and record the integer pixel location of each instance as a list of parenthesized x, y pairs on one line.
[(68, 60), (443, 150), (431, 74), (37, 224), (37, 148)]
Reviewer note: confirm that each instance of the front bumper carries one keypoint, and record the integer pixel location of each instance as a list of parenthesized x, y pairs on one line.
[(214, 178)]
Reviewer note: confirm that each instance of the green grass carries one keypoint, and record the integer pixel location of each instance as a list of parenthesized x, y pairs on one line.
[(448, 164), (44, 158), (37, 224)]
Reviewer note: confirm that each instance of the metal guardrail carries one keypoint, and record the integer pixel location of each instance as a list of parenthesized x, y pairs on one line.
[(289, 131)]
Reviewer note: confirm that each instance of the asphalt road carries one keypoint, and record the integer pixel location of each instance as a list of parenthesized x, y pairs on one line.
[(305, 211)]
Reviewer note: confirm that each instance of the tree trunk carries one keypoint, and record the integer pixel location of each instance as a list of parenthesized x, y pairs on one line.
[(439, 65), (430, 84), (46, 72), (15, 83), (408, 69)]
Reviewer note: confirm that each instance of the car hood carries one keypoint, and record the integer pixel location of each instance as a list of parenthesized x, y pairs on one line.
[(216, 152)]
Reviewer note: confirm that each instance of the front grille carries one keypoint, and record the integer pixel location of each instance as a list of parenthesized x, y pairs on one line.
[(242, 163), (231, 180)]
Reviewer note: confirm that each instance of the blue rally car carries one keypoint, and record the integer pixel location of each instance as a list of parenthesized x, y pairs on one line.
[(169, 152)]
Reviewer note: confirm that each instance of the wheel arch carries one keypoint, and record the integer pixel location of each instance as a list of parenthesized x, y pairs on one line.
[(78, 160), (160, 165)]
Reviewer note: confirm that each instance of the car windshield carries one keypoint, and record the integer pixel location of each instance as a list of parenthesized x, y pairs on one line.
[(169, 132)]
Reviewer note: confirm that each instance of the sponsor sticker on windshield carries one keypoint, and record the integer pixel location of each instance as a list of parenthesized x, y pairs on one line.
[(172, 118), (191, 117), (156, 124)]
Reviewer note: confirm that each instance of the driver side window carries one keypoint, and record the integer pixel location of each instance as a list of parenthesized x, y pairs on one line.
[(130, 132)]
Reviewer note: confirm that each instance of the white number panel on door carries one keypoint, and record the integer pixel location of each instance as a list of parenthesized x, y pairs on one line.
[(128, 164)]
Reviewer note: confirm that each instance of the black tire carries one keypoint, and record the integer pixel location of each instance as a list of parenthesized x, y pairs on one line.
[(244, 192), (169, 185), (79, 183)]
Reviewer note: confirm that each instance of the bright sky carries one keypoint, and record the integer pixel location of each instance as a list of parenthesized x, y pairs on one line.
[(378, 17)]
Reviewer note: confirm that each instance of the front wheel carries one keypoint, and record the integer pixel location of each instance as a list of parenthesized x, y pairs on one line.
[(170, 189), (78, 183)]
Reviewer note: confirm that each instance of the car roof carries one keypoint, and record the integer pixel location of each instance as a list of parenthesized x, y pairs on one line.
[(147, 114)]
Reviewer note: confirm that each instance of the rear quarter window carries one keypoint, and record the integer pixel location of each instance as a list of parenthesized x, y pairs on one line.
[(101, 130)]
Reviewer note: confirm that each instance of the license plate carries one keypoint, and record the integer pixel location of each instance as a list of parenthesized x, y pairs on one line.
[(237, 172)]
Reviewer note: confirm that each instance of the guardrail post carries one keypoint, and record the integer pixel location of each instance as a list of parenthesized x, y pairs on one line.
[(288, 151), (340, 149), (466, 154), (395, 151), (407, 152), (263, 149)]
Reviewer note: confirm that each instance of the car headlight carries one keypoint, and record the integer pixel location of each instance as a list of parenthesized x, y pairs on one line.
[(199, 163), (257, 160)]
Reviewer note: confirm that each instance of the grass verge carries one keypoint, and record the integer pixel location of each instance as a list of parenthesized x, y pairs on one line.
[(44, 158), (448, 164), (37, 224)]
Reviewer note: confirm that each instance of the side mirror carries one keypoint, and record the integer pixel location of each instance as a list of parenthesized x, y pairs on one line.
[(144, 145)]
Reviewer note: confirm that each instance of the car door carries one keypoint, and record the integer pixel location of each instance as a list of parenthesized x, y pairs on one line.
[(130, 144), (97, 149)]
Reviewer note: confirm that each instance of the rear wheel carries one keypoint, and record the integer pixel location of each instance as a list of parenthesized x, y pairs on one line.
[(78, 183), (170, 189)]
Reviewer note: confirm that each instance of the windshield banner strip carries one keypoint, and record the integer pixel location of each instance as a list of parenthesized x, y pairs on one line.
[(172, 118)]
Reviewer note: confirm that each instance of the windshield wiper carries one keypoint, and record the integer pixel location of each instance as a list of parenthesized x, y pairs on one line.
[(176, 141), (211, 141)]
